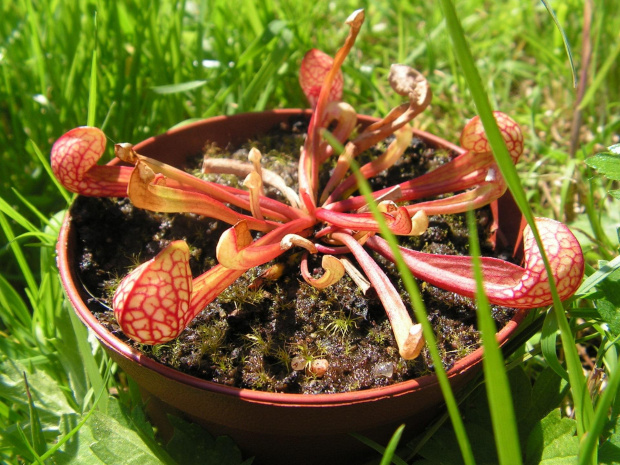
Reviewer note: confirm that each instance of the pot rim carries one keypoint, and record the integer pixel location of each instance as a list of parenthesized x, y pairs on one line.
[(116, 345)]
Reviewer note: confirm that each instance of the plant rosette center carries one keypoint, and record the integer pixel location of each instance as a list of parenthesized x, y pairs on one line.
[(323, 224)]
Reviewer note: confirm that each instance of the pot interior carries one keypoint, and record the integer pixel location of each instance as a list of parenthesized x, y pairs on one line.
[(176, 147)]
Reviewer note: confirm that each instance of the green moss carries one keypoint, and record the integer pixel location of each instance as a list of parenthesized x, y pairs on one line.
[(212, 337), (342, 323), (260, 341)]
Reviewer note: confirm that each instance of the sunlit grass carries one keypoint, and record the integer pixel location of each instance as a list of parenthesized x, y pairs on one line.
[(160, 63)]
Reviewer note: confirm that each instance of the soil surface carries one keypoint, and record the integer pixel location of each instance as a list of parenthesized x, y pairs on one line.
[(281, 335)]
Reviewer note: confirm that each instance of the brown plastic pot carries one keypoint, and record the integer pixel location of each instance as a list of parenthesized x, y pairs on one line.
[(275, 427)]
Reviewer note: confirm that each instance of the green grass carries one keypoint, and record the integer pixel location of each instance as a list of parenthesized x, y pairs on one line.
[(160, 63)]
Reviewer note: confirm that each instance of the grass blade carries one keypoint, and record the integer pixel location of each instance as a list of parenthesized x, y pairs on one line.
[(598, 276), (418, 306), (569, 53), (28, 447), (590, 441), (13, 311), (421, 316), (37, 50), (44, 219), (178, 88), (600, 77), (92, 88), (48, 169), (102, 394), (388, 453), (36, 432), (548, 344), (92, 94), (90, 364), (19, 254), (583, 404), (9, 211), (498, 390)]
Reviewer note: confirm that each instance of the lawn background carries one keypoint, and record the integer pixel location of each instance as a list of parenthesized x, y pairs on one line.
[(160, 63)]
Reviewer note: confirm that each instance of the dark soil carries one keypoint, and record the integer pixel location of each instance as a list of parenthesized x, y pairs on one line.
[(268, 335)]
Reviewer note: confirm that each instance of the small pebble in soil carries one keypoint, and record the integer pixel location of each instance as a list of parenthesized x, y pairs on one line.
[(319, 367), (298, 363), (383, 369)]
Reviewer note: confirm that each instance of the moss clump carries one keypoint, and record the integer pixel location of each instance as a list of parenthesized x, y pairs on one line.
[(266, 335)]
